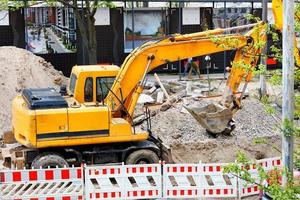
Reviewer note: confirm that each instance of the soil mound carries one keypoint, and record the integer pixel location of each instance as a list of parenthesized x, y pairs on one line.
[(21, 69)]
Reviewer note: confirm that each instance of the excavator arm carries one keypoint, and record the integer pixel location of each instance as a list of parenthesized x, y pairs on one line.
[(131, 78), (217, 117)]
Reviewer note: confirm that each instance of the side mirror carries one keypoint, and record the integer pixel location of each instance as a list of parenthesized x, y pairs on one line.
[(63, 90)]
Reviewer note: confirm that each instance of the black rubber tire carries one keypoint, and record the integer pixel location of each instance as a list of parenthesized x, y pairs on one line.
[(144, 156), (51, 160)]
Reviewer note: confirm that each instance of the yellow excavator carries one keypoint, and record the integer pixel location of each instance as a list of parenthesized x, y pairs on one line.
[(91, 120)]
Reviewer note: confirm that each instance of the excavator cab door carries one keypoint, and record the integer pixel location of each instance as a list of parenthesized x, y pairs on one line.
[(91, 119)]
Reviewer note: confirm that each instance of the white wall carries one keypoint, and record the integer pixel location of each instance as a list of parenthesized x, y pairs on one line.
[(102, 16), (4, 18)]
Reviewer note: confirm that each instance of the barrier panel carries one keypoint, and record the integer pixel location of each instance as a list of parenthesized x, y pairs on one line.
[(181, 180), (246, 189), (104, 182), (42, 184), (123, 182), (216, 183), (143, 181)]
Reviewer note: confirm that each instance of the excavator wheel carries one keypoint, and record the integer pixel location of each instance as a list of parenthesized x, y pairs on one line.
[(51, 160), (143, 156)]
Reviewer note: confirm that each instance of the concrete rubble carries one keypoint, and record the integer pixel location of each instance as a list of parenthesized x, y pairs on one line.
[(190, 142)]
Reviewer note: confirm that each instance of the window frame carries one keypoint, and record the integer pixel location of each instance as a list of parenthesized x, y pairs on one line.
[(85, 84), (103, 77)]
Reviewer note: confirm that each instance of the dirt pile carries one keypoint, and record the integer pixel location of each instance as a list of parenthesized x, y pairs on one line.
[(21, 69), (190, 142)]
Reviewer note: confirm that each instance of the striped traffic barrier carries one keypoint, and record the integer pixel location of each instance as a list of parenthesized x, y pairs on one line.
[(181, 180), (247, 189), (216, 183), (42, 184)]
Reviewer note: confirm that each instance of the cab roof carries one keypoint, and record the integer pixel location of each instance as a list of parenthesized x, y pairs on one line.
[(95, 68)]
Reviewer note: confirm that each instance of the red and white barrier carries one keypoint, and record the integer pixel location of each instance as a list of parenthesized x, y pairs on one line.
[(181, 180), (142, 181), (36, 184), (246, 189), (123, 182), (104, 182), (149, 181), (217, 184)]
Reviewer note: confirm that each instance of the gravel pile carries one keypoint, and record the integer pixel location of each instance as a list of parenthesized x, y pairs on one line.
[(177, 125), (253, 121), (190, 142)]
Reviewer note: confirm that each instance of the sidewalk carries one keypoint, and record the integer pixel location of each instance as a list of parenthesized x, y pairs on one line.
[(55, 43)]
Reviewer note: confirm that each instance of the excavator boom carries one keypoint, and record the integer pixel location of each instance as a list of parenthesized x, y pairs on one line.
[(129, 82)]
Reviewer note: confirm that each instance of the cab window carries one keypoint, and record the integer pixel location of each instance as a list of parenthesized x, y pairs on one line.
[(103, 85), (72, 83), (88, 89)]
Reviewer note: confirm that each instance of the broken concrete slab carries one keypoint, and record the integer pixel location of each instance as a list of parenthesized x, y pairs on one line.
[(149, 84), (173, 99), (144, 98), (160, 97), (152, 90), (189, 88), (161, 86)]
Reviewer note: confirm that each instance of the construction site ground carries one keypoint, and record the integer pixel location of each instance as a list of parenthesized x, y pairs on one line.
[(189, 142)]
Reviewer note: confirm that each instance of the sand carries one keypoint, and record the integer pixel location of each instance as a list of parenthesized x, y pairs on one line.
[(21, 69)]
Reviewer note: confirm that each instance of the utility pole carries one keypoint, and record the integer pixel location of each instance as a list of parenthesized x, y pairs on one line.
[(263, 60), (288, 84)]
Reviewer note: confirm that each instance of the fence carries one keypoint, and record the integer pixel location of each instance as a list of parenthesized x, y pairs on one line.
[(46, 184), (147, 181)]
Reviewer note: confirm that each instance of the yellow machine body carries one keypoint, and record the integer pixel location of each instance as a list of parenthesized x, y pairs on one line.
[(107, 120), (79, 124)]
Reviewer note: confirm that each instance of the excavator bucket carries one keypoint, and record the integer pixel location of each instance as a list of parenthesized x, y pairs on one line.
[(214, 117)]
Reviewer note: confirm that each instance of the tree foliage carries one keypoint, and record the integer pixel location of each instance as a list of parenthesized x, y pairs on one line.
[(292, 190)]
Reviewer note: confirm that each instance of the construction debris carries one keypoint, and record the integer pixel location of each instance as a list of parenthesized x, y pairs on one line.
[(160, 97), (8, 137), (161, 86), (144, 98), (189, 140)]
